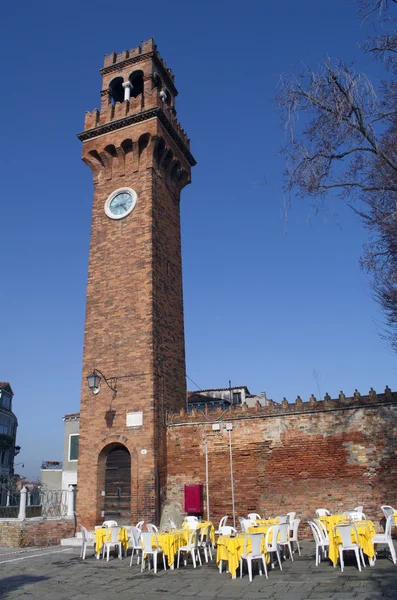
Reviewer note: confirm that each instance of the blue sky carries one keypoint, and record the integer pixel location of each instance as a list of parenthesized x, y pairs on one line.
[(265, 305)]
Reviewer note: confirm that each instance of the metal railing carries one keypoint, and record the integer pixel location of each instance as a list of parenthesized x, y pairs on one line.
[(9, 501), (35, 501)]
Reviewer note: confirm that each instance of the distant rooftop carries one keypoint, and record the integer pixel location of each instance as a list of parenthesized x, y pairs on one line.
[(4, 385), (72, 417), (233, 387), (51, 465)]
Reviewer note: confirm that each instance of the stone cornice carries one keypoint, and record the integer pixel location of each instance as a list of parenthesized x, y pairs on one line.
[(138, 118), (139, 58)]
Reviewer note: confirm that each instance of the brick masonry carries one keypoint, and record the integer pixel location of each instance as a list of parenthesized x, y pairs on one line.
[(334, 454), (134, 312), (37, 532)]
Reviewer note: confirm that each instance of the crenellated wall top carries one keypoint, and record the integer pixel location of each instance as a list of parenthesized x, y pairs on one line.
[(284, 408)]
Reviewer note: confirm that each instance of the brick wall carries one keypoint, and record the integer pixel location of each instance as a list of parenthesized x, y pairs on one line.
[(134, 312), (21, 534), (334, 454)]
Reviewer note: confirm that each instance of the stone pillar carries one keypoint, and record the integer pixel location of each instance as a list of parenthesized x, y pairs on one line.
[(22, 504), (70, 511), (127, 90)]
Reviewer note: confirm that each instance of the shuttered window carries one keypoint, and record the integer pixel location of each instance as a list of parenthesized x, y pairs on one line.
[(73, 447)]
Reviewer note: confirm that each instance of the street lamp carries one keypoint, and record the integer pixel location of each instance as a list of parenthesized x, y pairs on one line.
[(94, 382)]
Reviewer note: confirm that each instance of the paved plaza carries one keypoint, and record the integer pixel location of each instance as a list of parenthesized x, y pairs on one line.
[(58, 573)]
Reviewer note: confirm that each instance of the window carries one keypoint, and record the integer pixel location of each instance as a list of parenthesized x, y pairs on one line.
[(5, 400), (5, 426), (236, 397), (73, 446)]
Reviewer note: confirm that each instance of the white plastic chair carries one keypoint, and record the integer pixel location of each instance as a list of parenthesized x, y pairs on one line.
[(245, 524), (323, 531), (109, 524), (320, 542), (345, 532), (282, 518), (139, 525), (172, 524), (273, 545), (113, 543), (192, 547), (322, 512), (87, 541), (353, 515), (255, 554), (222, 523), (290, 517), (148, 549), (387, 510), (205, 542), (293, 537), (385, 538), (152, 528), (359, 509), (192, 522), (135, 542), (254, 516), (283, 538), (227, 530)]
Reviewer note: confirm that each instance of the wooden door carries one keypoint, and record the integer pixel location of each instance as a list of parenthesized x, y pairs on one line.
[(118, 486)]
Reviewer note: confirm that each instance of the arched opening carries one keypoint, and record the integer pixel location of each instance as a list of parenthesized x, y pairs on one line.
[(156, 82), (136, 80), (117, 483), (168, 99), (117, 90)]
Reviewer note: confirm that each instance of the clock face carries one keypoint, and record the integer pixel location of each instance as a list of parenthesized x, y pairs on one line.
[(120, 203)]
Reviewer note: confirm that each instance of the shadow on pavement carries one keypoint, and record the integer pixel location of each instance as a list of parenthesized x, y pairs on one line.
[(10, 584)]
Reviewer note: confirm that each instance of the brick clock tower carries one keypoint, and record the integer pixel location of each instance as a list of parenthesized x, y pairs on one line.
[(134, 336)]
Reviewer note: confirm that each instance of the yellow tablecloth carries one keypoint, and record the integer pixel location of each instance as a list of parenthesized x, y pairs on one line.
[(366, 532), (170, 542), (330, 521), (202, 525), (230, 549), (103, 534), (259, 528)]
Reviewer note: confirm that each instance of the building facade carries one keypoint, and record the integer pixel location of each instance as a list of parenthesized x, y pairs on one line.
[(134, 333), (8, 430)]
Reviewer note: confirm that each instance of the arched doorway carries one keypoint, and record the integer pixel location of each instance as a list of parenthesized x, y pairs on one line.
[(117, 500)]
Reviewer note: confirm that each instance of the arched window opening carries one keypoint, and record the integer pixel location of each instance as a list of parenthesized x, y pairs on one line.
[(166, 96), (156, 82), (136, 80), (117, 90)]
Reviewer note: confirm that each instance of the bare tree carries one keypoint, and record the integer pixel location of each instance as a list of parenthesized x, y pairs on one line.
[(342, 139)]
